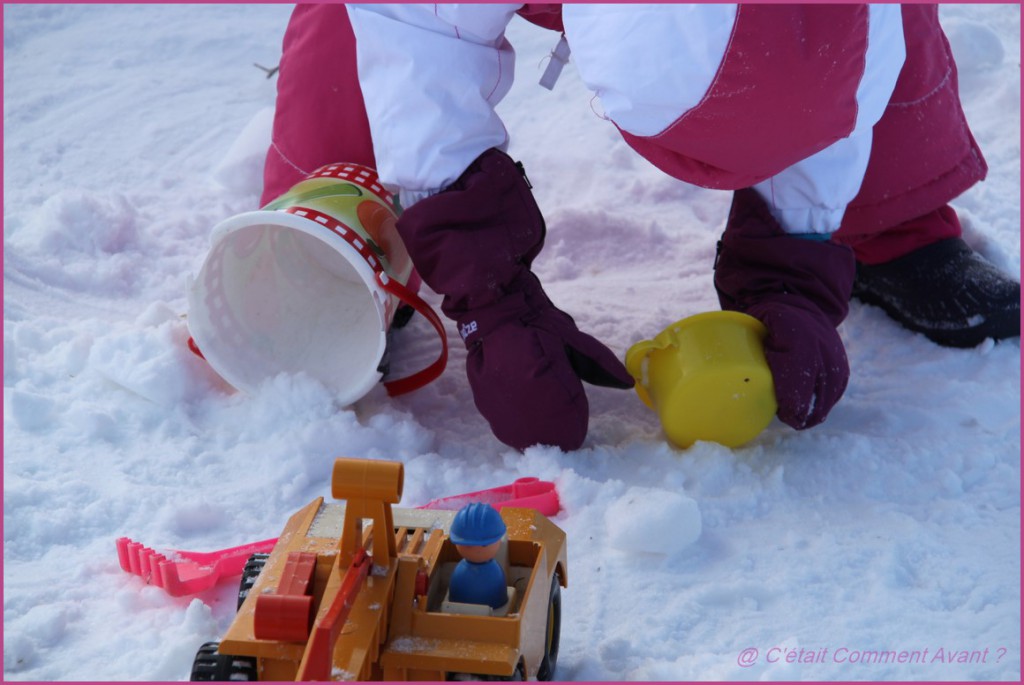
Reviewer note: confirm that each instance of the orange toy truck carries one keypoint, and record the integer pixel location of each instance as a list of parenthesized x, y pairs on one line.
[(357, 590)]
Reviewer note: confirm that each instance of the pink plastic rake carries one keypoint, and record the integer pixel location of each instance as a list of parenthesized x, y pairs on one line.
[(182, 573), (186, 573)]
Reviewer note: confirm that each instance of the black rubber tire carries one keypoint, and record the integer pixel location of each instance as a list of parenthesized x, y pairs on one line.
[(554, 631), (253, 568), (519, 675), (402, 315), (212, 666)]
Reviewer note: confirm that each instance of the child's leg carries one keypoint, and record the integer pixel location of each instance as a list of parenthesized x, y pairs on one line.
[(320, 115), (923, 154), (911, 260)]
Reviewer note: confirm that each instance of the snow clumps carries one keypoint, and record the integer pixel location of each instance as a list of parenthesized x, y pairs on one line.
[(653, 521)]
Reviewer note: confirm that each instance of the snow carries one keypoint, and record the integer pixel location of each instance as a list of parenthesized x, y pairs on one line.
[(652, 521), (131, 130)]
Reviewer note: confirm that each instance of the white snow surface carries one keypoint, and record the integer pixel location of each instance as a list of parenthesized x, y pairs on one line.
[(131, 130)]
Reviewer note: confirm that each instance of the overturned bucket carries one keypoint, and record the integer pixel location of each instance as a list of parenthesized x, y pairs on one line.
[(309, 284), (707, 378)]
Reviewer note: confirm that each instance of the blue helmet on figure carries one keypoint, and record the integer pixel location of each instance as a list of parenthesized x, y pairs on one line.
[(477, 524)]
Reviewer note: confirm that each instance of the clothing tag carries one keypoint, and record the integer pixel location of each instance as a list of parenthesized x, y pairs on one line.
[(468, 329), (559, 58)]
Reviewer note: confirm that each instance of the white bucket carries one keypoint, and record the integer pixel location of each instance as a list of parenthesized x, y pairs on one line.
[(309, 284)]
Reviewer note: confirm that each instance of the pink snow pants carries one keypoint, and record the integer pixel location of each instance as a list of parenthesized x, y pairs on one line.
[(923, 154)]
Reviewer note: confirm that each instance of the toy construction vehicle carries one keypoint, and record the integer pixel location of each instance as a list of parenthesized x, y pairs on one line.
[(356, 590)]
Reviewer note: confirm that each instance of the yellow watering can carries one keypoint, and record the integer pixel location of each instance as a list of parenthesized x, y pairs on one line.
[(707, 378)]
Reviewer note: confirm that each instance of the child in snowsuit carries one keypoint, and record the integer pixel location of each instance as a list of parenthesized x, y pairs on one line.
[(838, 127)]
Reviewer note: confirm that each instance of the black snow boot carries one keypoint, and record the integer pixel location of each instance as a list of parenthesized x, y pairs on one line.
[(946, 291)]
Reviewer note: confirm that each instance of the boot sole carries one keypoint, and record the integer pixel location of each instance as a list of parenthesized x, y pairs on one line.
[(998, 326)]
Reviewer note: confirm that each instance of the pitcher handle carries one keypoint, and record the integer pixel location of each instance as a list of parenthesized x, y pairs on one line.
[(635, 357)]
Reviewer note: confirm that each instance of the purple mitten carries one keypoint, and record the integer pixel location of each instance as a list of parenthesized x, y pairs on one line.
[(800, 289), (474, 244)]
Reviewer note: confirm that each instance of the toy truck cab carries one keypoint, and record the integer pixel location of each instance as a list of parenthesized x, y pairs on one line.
[(356, 590)]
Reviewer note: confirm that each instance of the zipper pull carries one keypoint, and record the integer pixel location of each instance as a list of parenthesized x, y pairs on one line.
[(559, 58), (522, 170)]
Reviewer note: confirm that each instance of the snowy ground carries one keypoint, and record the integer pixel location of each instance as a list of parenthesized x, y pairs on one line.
[(895, 526)]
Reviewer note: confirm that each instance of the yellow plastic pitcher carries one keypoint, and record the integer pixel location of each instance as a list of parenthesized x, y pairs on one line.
[(707, 378)]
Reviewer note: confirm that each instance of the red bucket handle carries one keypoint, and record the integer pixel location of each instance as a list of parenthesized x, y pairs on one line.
[(417, 380)]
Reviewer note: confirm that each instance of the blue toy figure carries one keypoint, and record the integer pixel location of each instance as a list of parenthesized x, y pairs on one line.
[(478, 579)]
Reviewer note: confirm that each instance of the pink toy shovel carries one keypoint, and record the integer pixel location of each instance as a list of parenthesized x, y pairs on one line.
[(182, 573), (526, 493)]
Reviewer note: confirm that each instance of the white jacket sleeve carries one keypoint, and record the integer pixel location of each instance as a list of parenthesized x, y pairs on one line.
[(811, 196), (431, 76)]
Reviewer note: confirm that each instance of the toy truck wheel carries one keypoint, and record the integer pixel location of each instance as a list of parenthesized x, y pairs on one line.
[(518, 675), (554, 631), (250, 573), (212, 666)]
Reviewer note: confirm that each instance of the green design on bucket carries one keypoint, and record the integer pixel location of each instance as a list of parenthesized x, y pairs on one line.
[(339, 200), (333, 190)]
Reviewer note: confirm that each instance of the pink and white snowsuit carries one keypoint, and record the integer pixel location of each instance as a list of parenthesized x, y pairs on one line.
[(845, 118)]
